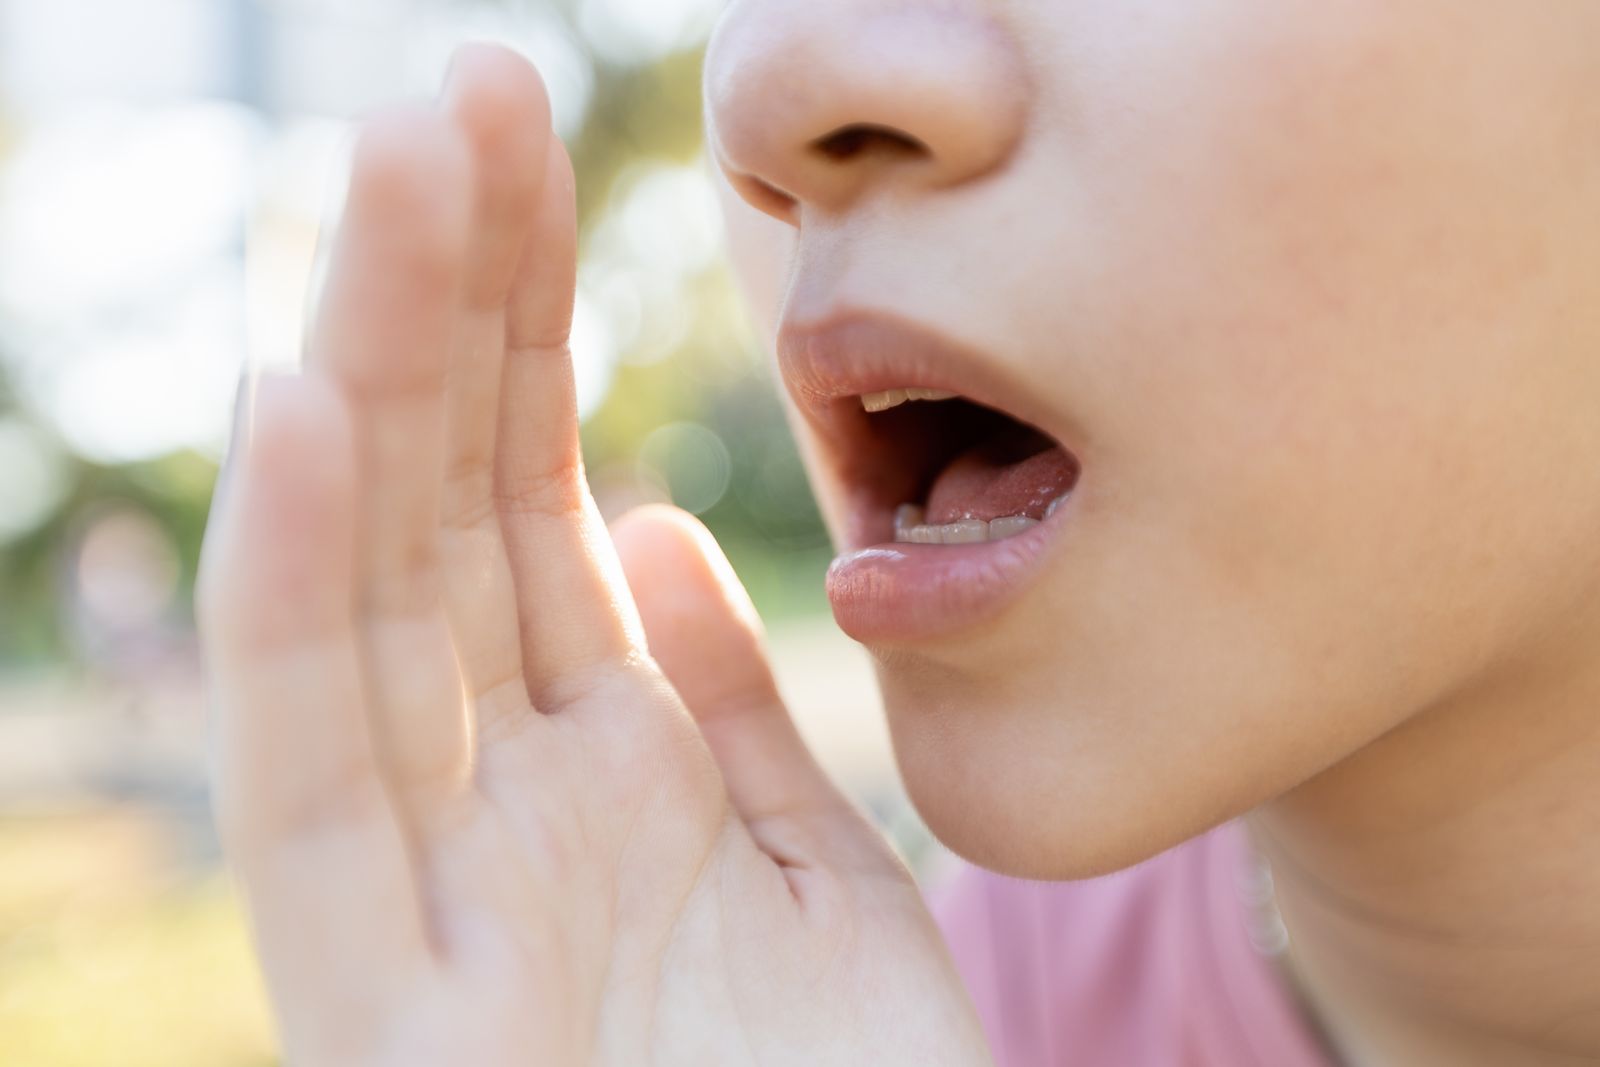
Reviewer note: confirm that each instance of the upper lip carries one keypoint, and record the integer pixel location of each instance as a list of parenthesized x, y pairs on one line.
[(829, 361), (846, 354)]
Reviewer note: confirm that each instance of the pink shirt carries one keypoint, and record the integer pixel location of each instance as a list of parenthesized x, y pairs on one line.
[(1152, 966)]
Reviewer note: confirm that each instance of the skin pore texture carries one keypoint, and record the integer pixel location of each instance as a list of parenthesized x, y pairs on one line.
[(1312, 292)]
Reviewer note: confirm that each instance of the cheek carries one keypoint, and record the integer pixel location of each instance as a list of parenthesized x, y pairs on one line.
[(1337, 287), (760, 249), (1328, 347), (761, 252)]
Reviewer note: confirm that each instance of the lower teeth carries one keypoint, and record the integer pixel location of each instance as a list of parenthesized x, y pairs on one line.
[(909, 527)]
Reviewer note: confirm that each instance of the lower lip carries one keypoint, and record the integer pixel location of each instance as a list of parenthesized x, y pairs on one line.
[(898, 593)]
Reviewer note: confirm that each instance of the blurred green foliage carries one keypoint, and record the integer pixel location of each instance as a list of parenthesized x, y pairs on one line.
[(714, 376)]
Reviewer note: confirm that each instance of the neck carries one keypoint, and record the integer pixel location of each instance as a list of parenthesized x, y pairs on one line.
[(1441, 888)]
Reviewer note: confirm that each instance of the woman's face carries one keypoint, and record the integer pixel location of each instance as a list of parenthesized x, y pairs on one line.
[(1308, 296)]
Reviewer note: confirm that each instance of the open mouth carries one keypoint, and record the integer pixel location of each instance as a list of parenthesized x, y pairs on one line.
[(952, 487), (962, 472)]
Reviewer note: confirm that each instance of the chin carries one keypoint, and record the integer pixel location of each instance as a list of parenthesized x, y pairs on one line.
[(1033, 787)]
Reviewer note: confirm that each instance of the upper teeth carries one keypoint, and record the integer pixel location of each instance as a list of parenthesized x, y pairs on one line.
[(890, 398)]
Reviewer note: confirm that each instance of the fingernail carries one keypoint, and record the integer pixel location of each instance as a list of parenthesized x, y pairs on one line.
[(451, 71), (442, 97), (238, 432), (241, 411)]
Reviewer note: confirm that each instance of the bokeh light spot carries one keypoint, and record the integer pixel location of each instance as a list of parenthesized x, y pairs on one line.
[(689, 461), (32, 478)]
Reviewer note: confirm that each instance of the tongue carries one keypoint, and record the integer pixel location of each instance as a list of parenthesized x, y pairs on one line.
[(1016, 475)]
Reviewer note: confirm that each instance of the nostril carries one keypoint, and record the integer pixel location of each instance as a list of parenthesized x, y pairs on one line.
[(824, 101), (859, 139)]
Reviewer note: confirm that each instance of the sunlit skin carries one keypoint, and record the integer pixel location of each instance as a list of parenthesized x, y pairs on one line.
[(475, 821), (1307, 289), (1315, 286)]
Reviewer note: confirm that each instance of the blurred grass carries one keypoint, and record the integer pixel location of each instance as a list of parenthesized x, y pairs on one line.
[(110, 953)]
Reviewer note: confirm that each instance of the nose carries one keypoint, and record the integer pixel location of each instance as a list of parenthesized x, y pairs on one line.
[(810, 104)]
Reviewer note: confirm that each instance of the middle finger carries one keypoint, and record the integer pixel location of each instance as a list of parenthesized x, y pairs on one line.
[(499, 101)]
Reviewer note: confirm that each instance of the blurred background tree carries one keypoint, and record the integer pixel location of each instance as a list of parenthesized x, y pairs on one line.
[(158, 232), (168, 170)]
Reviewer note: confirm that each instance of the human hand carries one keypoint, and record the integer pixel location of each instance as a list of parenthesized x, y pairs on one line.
[(475, 819)]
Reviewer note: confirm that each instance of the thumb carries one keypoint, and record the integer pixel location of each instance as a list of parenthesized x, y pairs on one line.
[(704, 632)]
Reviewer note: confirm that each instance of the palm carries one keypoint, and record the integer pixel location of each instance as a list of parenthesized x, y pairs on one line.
[(723, 942), (476, 822)]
